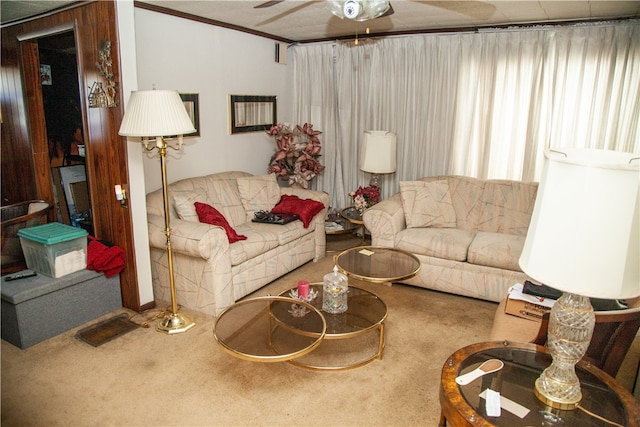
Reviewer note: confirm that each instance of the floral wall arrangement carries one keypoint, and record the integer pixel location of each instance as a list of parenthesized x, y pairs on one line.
[(297, 153)]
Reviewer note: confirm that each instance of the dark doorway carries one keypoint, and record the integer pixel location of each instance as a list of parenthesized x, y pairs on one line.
[(63, 115)]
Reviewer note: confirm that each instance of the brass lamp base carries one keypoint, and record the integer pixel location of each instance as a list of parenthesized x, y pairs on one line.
[(555, 402), (175, 323)]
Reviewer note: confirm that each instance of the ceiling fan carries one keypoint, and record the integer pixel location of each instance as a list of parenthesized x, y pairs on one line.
[(357, 10)]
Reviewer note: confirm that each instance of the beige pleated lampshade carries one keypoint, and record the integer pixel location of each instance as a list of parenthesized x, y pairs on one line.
[(152, 113)]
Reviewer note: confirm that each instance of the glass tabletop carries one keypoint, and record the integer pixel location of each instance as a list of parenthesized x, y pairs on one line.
[(249, 330), (352, 214), (515, 381), (377, 264), (365, 311)]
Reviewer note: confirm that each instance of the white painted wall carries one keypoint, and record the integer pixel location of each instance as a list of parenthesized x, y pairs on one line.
[(191, 57), (174, 53)]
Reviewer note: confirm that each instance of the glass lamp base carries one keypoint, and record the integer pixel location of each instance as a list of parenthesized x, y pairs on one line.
[(556, 401), (175, 323), (571, 325)]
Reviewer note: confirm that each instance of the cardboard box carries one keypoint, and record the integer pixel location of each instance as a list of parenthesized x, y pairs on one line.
[(525, 309), (527, 306)]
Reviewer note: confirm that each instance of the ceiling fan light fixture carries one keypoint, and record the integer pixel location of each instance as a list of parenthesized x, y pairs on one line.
[(358, 10)]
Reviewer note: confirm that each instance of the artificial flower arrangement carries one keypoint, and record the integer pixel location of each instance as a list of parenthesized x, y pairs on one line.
[(297, 153), (365, 197)]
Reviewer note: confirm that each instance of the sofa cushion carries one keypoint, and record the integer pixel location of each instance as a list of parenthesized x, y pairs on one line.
[(184, 204), (445, 243), (258, 193), (427, 204), (506, 206), (306, 209), (259, 240), (496, 250), (285, 233), (210, 215)]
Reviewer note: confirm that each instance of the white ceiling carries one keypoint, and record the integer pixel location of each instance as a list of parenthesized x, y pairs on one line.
[(294, 20)]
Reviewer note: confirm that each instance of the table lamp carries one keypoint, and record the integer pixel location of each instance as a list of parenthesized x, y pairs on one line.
[(154, 115), (583, 240), (378, 154)]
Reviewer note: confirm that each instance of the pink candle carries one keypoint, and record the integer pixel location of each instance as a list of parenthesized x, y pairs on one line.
[(303, 289)]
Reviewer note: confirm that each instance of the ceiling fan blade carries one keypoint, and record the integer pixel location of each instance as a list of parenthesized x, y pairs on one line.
[(389, 12), (268, 4), (286, 12)]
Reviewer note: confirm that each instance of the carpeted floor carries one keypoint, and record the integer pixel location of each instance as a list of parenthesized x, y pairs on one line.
[(146, 378)]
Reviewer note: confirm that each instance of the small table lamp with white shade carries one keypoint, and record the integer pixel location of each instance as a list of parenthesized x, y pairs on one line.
[(378, 154), (154, 115), (583, 239)]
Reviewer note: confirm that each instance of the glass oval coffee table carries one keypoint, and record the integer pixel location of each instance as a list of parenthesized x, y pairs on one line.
[(247, 329), (284, 329), (352, 339), (378, 264)]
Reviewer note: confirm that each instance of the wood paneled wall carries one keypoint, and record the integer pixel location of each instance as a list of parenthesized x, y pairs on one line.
[(25, 161)]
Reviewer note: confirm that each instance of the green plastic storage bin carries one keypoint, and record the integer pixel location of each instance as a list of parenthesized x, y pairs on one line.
[(54, 249)]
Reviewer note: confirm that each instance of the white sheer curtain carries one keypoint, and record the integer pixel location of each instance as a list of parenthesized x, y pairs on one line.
[(478, 104)]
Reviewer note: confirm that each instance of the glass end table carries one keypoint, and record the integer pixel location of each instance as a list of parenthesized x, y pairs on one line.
[(464, 405)]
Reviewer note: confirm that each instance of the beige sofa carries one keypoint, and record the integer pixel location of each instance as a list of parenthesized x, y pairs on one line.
[(473, 237), (211, 273)]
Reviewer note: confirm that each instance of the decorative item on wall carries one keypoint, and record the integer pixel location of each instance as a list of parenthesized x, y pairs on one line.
[(297, 153), (103, 95), (45, 75), (250, 113), (192, 105)]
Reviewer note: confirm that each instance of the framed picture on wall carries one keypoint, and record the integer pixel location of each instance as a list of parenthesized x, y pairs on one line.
[(190, 101), (251, 113), (45, 74)]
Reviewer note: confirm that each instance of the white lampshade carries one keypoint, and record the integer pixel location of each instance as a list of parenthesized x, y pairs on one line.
[(153, 113), (584, 237), (378, 152)]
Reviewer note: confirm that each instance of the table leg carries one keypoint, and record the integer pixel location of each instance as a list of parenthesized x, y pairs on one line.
[(443, 420)]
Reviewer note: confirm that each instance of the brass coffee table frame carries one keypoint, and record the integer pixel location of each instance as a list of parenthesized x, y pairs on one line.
[(358, 251), (276, 357), (377, 324)]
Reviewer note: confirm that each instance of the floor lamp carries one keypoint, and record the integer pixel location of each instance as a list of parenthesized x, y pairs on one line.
[(378, 154), (154, 115), (583, 240)]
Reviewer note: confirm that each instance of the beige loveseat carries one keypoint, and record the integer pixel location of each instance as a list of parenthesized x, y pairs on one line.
[(211, 273), (468, 233)]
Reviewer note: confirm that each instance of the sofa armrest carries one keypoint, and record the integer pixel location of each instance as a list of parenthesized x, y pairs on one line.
[(190, 238), (385, 220)]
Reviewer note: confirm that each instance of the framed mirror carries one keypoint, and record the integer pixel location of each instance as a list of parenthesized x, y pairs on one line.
[(251, 113)]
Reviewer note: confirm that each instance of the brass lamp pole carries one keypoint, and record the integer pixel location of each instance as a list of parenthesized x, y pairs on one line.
[(161, 112)]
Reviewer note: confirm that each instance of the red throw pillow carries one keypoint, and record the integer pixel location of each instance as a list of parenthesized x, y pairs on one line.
[(210, 215), (306, 209)]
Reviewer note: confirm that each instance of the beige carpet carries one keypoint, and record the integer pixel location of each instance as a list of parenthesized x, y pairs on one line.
[(146, 378)]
